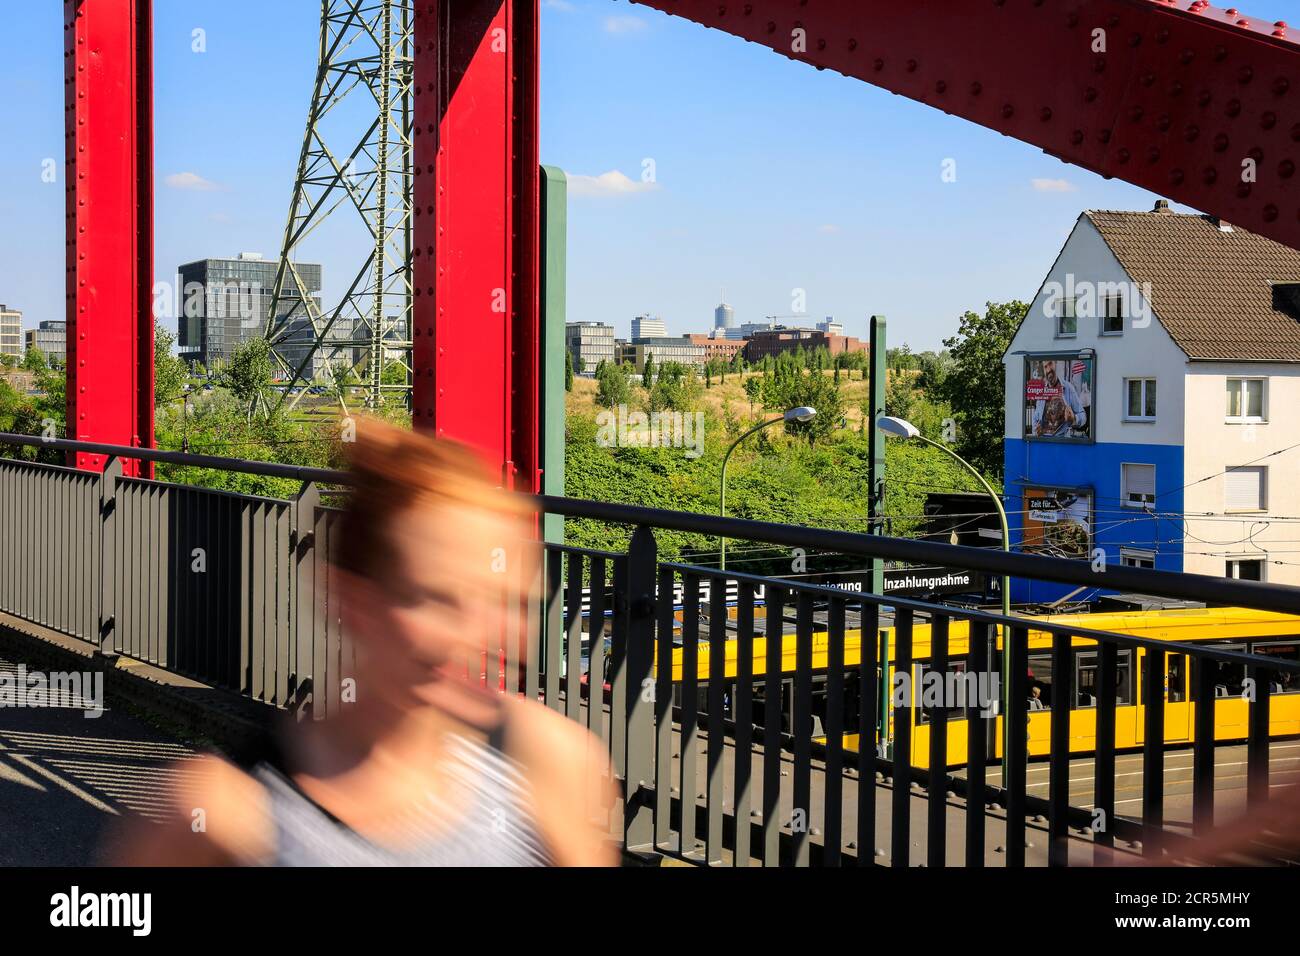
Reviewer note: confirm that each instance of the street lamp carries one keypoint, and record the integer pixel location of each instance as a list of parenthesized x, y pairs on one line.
[(800, 414), (901, 428)]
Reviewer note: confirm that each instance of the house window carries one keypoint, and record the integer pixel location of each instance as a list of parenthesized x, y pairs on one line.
[(1246, 569), (1246, 399), (1140, 399), (1112, 315), (1139, 485), (1246, 489), (1067, 322), (1137, 558)]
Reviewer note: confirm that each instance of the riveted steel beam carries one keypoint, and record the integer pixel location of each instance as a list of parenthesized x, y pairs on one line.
[(475, 247), (109, 173), (1191, 101)]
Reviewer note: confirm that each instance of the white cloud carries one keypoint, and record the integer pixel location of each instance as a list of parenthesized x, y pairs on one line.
[(612, 183), (191, 181), (624, 24), (1053, 186)]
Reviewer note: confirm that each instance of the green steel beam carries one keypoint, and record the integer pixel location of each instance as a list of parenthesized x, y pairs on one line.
[(554, 240)]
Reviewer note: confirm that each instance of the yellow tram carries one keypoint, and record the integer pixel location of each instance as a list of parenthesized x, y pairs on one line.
[(1237, 629)]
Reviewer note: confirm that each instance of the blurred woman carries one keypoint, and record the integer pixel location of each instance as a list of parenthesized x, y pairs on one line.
[(423, 767)]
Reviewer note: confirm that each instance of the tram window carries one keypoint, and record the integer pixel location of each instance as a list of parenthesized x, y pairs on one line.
[(1040, 681), (1228, 676), (1282, 682), (1175, 669), (1087, 668), (957, 693)]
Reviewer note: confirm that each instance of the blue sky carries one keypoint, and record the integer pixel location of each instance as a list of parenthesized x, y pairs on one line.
[(770, 176)]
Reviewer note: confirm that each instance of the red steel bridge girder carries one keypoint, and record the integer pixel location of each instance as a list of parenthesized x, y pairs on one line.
[(1183, 97), (475, 327), (109, 173)]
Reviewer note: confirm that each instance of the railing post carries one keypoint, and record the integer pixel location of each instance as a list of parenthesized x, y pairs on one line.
[(638, 808), (105, 594), (302, 541)]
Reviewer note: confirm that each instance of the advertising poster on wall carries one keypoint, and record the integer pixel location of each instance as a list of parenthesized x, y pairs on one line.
[(1058, 522), (1058, 397)]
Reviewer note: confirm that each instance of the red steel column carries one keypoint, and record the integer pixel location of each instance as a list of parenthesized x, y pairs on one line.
[(475, 249), (109, 169)]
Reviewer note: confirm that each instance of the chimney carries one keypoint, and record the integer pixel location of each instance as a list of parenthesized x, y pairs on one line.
[(1162, 205)]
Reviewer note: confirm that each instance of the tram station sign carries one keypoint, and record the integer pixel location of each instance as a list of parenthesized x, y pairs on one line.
[(908, 582)]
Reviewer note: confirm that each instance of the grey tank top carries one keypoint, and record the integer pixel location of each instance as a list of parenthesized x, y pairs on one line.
[(493, 827)]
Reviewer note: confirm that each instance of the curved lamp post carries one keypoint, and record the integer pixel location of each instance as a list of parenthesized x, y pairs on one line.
[(901, 428), (801, 414)]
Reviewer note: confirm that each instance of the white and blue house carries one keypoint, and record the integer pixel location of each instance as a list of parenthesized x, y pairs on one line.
[(1153, 402)]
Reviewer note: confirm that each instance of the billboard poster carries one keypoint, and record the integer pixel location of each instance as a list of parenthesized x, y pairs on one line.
[(1058, 397), (1058, 522)]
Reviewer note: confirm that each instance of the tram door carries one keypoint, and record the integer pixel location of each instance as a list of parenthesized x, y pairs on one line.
[(1178, 710)]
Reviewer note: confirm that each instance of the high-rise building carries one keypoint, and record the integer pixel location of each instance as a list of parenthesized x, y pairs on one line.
[(226, 302), (51, 337), (649, 327), (11, 332), (724, 317), (589, 343), (830, 326)]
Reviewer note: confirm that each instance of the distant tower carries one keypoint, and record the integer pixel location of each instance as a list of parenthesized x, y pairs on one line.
[(724, 316), (355, 170)]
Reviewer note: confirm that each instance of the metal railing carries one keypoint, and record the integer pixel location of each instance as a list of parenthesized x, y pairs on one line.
[(235, 591)]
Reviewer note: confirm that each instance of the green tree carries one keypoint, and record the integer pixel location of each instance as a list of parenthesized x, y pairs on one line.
[(34, 360), (975, 384), (678, 389), (812, 389), (753, 391), (248, 374), (935, 368), (614, 388), (169, 371), (900, 395), (568, 370), (648, 373)]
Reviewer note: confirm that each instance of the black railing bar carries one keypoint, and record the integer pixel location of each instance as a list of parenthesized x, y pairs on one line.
[(267, 469), (1032, 624), (586, 552), (1197, 587)]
